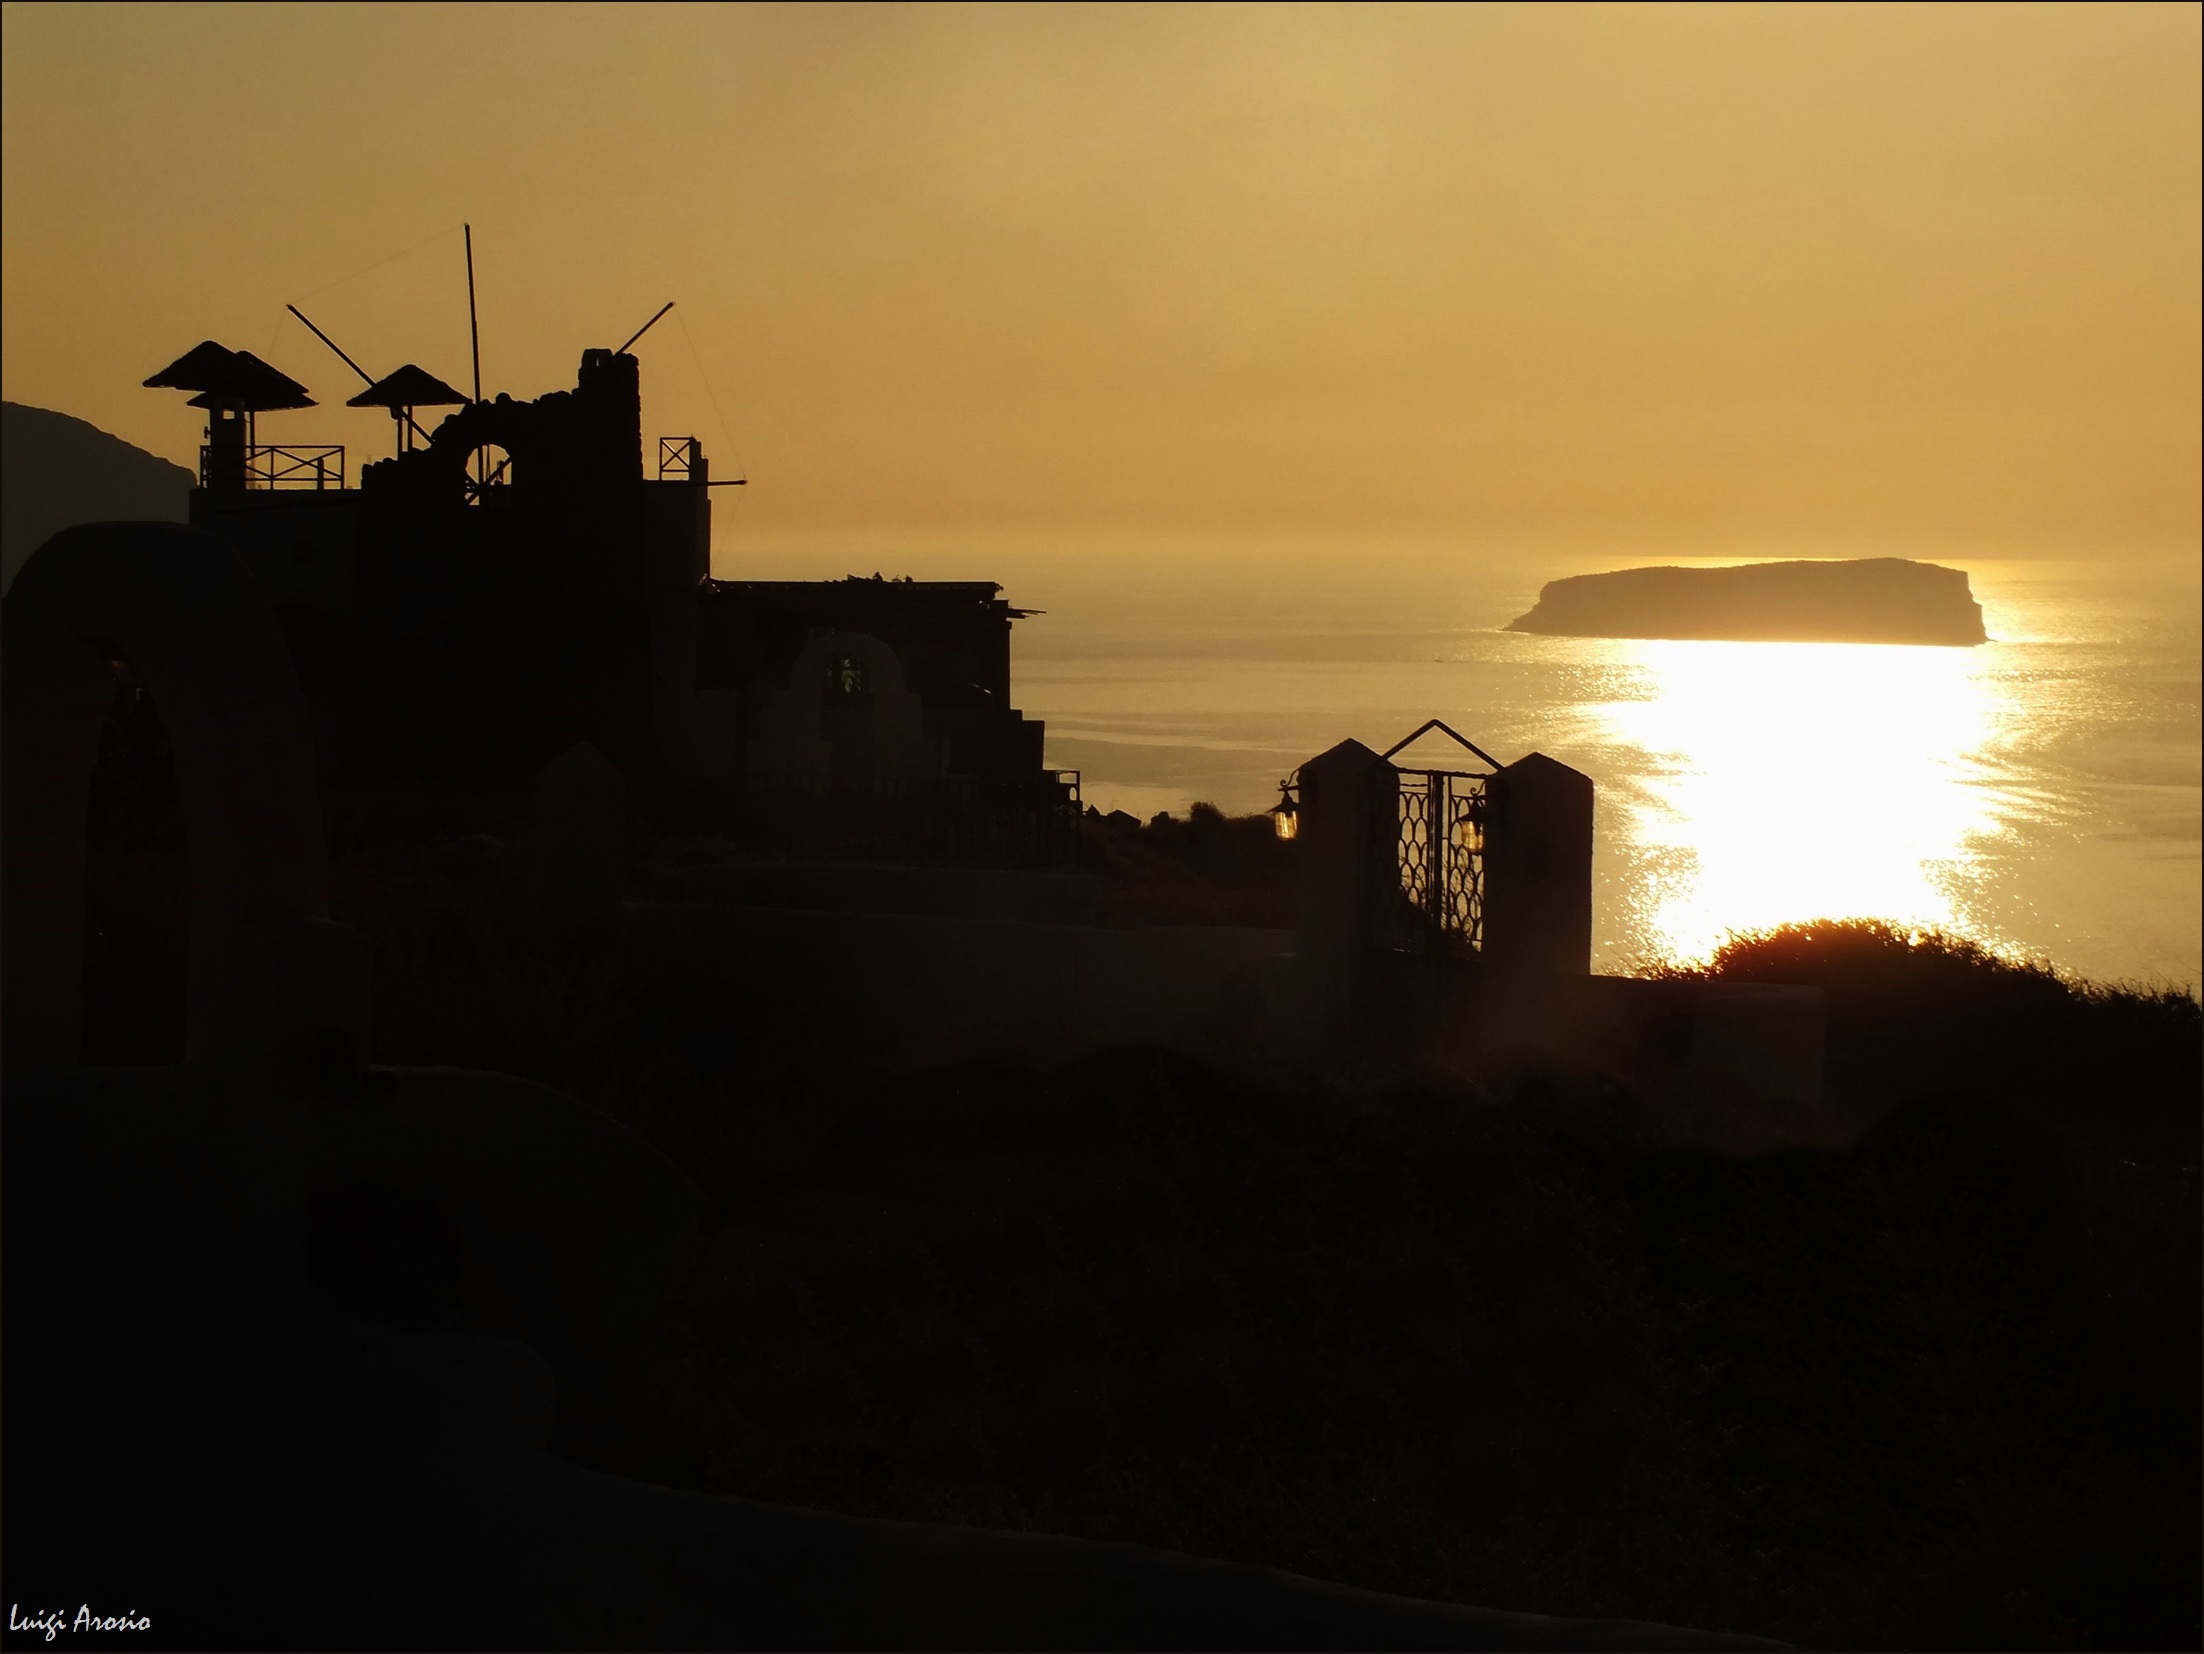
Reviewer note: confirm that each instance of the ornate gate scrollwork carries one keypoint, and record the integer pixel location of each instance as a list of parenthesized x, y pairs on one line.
[(1432, 898), (1436, 900)]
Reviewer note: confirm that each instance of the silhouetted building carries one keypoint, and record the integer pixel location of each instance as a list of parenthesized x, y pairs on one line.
[(512, 582)]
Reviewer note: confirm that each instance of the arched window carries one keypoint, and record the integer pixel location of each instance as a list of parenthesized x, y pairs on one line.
[(489, 474)]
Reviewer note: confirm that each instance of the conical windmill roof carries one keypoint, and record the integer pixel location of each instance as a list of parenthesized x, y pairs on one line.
[(204, 365), (407, 387), (231, 378)]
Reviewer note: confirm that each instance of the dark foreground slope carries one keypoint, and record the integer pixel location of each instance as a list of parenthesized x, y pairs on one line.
[(1873, 600), (1449, 1335), (57, 471), (1465, 1341)]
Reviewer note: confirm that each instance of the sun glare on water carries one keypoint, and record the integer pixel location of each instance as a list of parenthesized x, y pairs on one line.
[(1794, 781)]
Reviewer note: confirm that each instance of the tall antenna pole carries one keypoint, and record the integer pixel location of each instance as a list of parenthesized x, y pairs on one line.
[(406, 414), (645, 328), (365, 376), (474, 334)]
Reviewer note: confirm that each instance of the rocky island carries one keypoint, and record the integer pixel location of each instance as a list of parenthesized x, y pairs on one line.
[(1865, 600)]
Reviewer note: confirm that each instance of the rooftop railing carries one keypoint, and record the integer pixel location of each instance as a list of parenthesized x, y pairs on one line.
[(677, 459), (318, 467)]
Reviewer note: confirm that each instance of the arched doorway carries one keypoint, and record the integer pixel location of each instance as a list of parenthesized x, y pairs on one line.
[(194, 628), (846, 715)]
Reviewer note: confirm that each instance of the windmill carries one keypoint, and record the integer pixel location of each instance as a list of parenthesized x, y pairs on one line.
[(404, 390), (234, 386)]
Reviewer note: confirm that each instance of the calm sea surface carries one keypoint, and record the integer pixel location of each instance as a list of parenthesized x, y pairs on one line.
[(2039, 793)]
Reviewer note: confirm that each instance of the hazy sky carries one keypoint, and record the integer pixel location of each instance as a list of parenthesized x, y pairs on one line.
[(1733, 278)]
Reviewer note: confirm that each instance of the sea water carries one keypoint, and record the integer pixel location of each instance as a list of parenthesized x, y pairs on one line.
[(2039, 793)]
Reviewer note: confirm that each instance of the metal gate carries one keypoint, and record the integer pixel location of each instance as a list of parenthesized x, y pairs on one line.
[(1434, 900)]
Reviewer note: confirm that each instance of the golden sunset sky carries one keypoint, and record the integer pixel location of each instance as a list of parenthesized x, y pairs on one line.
[(1837, 280)]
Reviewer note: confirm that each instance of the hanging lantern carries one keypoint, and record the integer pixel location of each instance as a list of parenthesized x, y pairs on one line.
[(1285, 815)]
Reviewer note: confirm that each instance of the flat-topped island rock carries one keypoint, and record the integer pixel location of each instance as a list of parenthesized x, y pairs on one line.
[(1868, 600)]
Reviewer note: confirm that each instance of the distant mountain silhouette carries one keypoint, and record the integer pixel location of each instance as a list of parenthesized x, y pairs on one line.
[(1866, 600), (57, 471)]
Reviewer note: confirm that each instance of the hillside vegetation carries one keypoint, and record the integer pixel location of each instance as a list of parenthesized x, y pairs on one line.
[(1452, 1334)]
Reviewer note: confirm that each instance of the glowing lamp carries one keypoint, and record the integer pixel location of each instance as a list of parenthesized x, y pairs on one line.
[(1285, 815)]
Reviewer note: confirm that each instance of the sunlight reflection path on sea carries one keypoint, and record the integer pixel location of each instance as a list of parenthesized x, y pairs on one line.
[(1782, 781)]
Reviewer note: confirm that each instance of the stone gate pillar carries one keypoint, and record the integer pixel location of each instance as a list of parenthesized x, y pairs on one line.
[(1345, 854), (1538, 871)]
